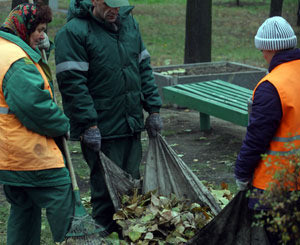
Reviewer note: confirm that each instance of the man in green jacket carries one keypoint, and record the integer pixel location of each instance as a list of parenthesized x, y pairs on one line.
[(105, 78)]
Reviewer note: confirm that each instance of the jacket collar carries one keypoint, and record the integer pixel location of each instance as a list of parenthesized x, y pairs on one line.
[(283, 57), (34, 55)]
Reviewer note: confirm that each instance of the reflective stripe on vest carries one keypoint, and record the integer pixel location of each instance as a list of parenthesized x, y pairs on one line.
[(4, 110), (285, 78)]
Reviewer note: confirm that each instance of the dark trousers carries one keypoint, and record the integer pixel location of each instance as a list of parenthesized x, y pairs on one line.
[(24, 223), (127, 154)]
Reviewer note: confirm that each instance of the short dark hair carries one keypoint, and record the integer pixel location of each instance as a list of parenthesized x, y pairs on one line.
[(43, 15)]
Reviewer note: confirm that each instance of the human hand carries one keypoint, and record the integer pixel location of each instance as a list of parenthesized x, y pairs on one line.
[(153, 124), (45, 43), (242, 185), (92, 138)]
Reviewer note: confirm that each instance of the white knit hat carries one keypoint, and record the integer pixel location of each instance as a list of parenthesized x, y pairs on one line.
[(275, 34)]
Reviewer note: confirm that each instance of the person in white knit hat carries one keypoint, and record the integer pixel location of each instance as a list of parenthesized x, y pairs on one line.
[(275, 116)]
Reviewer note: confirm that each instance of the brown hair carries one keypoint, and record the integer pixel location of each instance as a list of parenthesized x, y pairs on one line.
[(43, 15)]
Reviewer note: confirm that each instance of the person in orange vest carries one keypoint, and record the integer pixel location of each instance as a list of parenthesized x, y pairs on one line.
[(32, 167), (275, 117)]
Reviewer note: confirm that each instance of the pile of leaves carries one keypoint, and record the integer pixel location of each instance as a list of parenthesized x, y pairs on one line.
[(282, 198), (222, 196), (152, 219)]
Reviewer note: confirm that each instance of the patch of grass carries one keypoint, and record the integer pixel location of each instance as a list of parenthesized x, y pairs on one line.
[(162, 24), (4, 212)]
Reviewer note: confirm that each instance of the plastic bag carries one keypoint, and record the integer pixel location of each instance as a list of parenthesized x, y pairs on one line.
[(167, 173), (232, 226), (118, 181), (164, 172)]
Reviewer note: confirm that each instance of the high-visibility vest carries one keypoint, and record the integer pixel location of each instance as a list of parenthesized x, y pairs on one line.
[(22, 149), (286, 79)]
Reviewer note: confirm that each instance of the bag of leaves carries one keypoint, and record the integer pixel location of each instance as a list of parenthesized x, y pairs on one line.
[(166, 173), (232, 226), (118, 181)]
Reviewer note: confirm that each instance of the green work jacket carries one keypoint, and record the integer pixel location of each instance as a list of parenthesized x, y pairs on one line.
[(23, 88), (104, 75)]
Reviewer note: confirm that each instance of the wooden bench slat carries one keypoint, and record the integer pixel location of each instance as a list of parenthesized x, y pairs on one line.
[(216, 98), (205, 96), (230, 85), (207, 106), (225, 94), (231, 92)]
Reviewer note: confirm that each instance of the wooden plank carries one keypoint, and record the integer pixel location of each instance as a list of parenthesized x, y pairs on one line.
[(230, 92), (203, 96), (215, 94), (205, 105)]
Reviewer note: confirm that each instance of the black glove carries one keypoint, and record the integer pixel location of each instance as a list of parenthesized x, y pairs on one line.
[(92, 138), (153, 124)]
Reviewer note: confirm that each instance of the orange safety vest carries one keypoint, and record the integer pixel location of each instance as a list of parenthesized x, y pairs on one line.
[(286, 79), (20, 148)]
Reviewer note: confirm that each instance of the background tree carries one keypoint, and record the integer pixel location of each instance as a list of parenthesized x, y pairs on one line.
[(14, 3), (298, 14), (198, 31), (276, 8)]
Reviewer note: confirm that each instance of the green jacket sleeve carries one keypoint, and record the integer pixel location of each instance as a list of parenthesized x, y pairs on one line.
[(72, 65), (152, 100), (23, 88)]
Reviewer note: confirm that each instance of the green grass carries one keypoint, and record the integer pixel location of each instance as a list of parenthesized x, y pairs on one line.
[(162, 24)]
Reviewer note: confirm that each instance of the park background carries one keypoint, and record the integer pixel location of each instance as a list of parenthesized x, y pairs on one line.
[(162, 24)]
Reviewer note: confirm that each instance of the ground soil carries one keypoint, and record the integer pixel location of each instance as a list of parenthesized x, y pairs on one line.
[(201, 70), (211, 155)]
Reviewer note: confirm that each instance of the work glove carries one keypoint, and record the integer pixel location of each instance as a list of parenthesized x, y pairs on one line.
[(153, 124), (92, 139), (45, 43), (242, 185)]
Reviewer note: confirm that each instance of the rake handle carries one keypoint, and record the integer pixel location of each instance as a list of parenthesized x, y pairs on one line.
[(69, 164)]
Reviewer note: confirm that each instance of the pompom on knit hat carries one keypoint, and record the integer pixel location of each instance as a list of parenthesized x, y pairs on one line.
[(275, 34)]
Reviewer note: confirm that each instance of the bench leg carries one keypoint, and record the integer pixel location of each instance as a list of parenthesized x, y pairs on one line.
[(204, 122)]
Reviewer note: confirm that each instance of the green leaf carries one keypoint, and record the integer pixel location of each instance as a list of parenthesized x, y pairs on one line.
[(134, 235)]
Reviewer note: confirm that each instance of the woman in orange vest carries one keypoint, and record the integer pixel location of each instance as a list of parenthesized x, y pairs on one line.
[(32, 168), (275, 117)]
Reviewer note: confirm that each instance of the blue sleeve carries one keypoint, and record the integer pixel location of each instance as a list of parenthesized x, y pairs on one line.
[(264, 121)]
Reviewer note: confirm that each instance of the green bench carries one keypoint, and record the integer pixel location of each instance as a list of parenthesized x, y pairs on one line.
[(216, 98)]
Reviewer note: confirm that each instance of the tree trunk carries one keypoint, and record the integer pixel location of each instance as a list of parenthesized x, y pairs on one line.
[(276, 8), (14, 3), (298, 14), (198, 31)]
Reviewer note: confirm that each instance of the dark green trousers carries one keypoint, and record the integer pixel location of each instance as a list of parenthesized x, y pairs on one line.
[(24, 223), (127, 154)]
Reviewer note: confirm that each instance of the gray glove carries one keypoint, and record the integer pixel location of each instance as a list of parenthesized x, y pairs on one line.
[(45, 43), (92, 139), (153, 124), (242, 185)]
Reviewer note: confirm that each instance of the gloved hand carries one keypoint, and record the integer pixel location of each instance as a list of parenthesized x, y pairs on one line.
[(45, 43), (153, 124), (92, 138), (242, 185)]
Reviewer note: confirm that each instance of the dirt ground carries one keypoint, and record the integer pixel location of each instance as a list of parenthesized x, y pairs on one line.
[(211, 155)]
